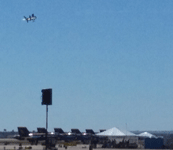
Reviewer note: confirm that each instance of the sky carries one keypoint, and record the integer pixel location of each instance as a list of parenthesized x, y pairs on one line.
[(109, 64)]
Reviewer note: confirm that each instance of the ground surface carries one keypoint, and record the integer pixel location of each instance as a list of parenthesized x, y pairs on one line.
[(40, 147)]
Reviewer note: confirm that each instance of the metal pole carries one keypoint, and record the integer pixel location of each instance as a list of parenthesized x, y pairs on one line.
[(46, 117), (46, 125), (126, 129)]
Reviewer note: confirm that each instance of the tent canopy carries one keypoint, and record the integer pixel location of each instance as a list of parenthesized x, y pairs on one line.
[(116, 132), (148, 135)]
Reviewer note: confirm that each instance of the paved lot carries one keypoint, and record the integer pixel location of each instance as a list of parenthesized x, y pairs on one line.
[(40, 147)]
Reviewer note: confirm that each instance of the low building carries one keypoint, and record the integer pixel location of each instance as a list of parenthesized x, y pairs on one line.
[(150, 141)]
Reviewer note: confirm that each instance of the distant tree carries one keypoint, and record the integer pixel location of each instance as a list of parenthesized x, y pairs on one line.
[(5, 130)]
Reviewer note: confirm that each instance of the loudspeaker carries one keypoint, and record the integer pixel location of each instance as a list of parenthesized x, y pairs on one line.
[(46, 96)]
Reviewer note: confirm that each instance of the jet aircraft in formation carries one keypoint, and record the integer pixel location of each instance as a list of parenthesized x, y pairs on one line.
[(30, 18)]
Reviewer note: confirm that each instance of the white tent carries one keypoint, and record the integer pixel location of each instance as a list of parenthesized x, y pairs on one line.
[(120, 135), (116, 132), (147, 135)]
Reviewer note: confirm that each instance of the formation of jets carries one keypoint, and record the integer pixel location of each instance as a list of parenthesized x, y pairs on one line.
[(58, 136), (30, 18)]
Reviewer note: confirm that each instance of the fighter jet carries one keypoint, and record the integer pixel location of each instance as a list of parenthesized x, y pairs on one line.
[(24, 136), (30, 18), (65, 136), (89, 132), (83, 137), (33, 138)]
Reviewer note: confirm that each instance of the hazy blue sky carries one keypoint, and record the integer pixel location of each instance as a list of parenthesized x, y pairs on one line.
[(109, 63)]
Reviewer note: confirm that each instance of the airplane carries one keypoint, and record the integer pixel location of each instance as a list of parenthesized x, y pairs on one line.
[(59, 131), (64, 136), (87, 137), (76, 132), (102, 130), (32, 137), (95, 138), (76, 135), (89, 132), (30, 18), (21, 138), (83, 137), (43, 130), (36, 137)]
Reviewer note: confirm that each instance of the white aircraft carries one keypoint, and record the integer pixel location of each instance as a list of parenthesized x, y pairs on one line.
[(30, 18)]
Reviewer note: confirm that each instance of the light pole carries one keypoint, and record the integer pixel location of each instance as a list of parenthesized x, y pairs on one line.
[(46, 100)]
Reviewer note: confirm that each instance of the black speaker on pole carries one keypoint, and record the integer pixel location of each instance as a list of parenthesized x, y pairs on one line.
[(46, 96)]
